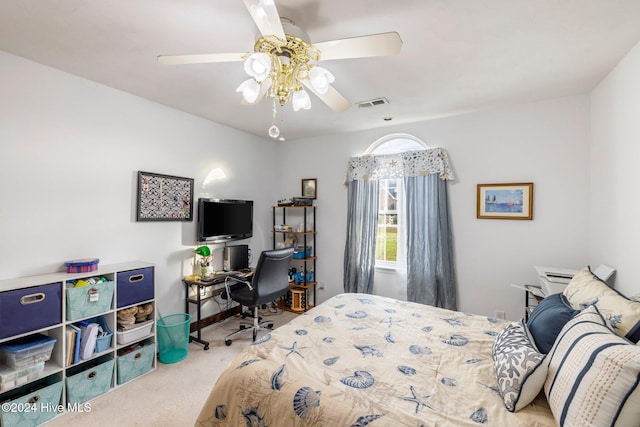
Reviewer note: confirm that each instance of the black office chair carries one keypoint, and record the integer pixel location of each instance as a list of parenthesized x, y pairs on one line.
[(269, 282)]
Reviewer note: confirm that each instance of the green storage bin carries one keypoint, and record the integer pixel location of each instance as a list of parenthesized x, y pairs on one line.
[(88, 301), (42, 398), (135, 360), (89, 380)]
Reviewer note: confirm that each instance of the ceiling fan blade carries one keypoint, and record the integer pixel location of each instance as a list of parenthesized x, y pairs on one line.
[(334, 99), (265, 15), (200, 58), (383, 44)]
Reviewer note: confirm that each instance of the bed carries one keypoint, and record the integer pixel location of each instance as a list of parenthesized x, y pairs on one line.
[(364, 360), (359, 360)]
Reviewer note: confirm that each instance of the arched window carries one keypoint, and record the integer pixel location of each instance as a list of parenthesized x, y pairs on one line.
[(388, 225), (396, 143), (419, 179)]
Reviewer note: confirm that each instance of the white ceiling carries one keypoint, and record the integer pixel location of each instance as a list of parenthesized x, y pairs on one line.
[(457, 55)]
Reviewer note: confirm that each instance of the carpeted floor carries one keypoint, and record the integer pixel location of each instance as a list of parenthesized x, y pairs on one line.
[(172, 395)]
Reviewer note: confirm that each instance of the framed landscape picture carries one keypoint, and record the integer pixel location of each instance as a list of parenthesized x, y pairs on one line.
[(505, 201), (310, 188)]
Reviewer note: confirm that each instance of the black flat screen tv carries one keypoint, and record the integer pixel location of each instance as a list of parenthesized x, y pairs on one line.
[(223, 220)]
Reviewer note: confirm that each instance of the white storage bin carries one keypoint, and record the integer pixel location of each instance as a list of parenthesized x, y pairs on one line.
[(140, 330)]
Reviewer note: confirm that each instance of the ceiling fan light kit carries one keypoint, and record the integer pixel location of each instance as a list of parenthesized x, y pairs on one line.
[(250, 90), (284, 61), (287, 62)]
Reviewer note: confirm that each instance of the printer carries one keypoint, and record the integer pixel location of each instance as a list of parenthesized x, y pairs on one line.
[(553, 280)]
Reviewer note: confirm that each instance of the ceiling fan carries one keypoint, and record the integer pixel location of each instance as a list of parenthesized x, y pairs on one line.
[(284, 60)]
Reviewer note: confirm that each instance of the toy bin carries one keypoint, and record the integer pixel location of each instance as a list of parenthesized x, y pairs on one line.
[(29, 309), (134, 333), (135, 360), (87, 301), (42, 398), (26, 351), (134, 286), (173, 337), (89, 380)]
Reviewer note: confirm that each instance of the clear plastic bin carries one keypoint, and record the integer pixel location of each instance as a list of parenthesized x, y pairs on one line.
[(27, 351), (11, 378)]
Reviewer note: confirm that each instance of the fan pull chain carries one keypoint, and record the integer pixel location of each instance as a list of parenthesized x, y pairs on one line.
[(274, 132)]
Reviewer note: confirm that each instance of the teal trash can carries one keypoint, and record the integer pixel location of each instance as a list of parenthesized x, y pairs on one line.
[(173, 337)]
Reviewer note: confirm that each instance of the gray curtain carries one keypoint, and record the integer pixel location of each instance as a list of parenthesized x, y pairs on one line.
[(360, 247), (430, 269)]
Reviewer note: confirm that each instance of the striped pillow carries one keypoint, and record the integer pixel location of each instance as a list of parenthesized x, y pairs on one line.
[(593, 375)]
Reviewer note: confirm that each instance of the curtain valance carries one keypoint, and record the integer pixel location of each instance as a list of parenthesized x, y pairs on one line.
[(400, 165)]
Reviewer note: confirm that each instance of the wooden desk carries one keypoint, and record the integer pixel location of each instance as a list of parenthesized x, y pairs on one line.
[(200, 285)]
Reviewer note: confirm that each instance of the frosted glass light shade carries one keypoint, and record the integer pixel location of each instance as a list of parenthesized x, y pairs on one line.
[(300, 99), (258, 66), (250, 90), (320, 79)]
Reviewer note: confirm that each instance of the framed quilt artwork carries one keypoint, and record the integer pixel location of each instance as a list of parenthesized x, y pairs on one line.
[(164, 198)]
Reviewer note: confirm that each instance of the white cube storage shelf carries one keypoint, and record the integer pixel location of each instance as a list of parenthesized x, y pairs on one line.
[(44, 305)]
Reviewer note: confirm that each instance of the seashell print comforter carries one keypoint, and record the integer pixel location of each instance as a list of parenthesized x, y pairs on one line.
[(365, 360)]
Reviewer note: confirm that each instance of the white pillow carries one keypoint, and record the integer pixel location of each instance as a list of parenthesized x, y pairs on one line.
[(593, 375), (520, 368), (623, 314)]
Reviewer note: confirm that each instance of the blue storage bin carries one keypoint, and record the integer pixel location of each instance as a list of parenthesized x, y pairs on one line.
[(103, 342), (30, 309), (298, 253), (134, 286)]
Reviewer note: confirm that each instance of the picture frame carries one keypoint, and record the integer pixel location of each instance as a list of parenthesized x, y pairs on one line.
[(505, 201), (310, 188), (164, 197)]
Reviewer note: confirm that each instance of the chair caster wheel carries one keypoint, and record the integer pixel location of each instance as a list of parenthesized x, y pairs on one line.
[(269, 325), (226, 342), (206, 347), (243, 327)]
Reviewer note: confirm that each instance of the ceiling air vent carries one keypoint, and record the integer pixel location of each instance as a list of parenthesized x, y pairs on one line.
[(373, 103)]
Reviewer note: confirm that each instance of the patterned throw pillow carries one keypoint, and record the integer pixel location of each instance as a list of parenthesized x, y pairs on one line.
[(593, 375), (623, 314), (520, 368)]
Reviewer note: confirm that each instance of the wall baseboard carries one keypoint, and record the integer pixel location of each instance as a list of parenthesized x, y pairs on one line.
[(215, 318)]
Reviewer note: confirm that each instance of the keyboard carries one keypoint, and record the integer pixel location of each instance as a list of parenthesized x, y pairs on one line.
[(223, 274), (218, 276)]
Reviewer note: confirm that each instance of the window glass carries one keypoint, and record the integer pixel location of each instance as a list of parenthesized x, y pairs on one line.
[(387, 232)]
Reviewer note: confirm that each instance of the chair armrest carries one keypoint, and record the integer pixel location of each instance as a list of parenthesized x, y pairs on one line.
[(235, 279)]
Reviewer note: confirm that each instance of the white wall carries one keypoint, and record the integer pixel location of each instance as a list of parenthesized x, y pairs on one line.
[(545, 143), (70, 150), (615, 174)]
